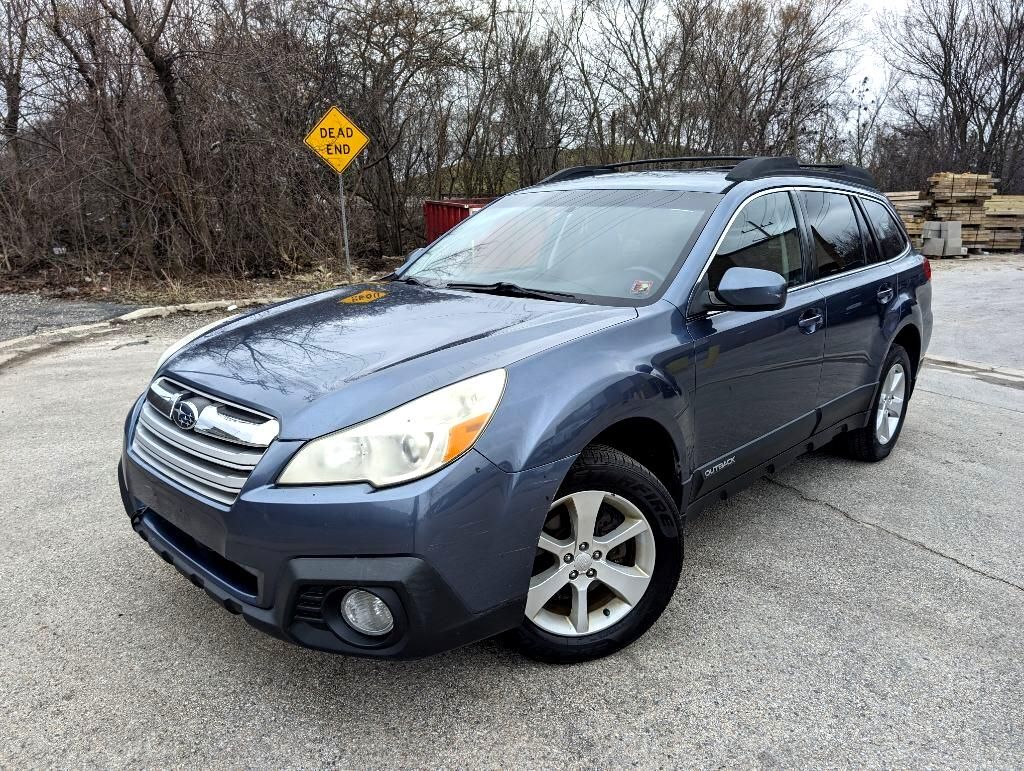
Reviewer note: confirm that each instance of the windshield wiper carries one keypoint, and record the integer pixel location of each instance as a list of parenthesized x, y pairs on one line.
[(508, 289), (412, 280)]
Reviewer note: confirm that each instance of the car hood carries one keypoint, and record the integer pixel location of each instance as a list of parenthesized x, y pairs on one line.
[(326, 361)]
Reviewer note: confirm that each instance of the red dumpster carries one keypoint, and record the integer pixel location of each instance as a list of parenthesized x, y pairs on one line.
[(442, 216)]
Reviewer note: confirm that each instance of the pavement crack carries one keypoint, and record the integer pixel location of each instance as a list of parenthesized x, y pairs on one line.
[(130, 343), (899, 536)]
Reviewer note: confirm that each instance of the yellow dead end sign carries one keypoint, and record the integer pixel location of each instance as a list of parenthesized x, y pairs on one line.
[(366, 296), (336, 139)]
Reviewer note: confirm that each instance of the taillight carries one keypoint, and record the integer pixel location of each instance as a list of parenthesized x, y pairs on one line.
[(927, 270)]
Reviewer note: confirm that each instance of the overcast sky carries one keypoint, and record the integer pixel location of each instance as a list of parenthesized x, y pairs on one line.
[(871, 63)]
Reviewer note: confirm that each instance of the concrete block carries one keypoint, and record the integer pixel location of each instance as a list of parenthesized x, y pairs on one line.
[(952, 230)]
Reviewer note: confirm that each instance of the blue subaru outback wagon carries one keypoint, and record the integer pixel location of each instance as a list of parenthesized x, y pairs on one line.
[(506, 434)]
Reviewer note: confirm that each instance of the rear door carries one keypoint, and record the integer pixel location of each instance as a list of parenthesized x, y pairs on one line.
[(858, 286), (757, 372)]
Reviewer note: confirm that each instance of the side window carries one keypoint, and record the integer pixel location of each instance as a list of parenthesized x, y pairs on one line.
[(888, 233), (833, 223), (763, 235), (871, 253)]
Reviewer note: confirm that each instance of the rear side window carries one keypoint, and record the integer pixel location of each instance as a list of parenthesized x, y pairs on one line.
[(837, 240), (871, 252), (763, 235), (889, 234)]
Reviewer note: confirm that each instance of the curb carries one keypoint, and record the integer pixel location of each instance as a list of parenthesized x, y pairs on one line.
[(40, 337), (975, 366), (32, 345), (161, 311)]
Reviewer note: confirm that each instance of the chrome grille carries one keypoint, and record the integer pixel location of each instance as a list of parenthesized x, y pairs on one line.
[(203, 443)]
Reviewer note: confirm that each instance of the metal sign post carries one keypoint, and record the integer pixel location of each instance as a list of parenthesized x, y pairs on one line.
[(337, 140), (344, 223)]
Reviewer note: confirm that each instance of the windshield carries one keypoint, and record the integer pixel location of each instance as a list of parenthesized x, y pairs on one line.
[(603, 245)]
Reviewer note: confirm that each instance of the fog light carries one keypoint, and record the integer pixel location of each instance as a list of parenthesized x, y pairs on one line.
[(367, 613)]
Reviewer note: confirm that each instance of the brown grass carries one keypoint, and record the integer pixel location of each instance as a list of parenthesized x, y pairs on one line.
[(140, 289)]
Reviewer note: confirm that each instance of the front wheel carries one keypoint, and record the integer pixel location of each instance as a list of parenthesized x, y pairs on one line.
[(876, 440), (608, 559)]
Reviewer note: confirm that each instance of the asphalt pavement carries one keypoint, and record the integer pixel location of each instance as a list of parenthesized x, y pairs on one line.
[(26, 314), (981, 303), (837, 614)]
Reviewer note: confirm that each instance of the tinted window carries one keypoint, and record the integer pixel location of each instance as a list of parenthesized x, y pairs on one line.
[(889, 234), (871, 253), (618, 245), (833, 224), (763, 235)]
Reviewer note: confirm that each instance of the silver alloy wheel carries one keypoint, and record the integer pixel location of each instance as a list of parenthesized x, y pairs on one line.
[(601, 591), (891, 399)]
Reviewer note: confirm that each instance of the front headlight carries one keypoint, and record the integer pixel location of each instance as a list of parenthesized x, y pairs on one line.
[(409, 442), (190, 337)]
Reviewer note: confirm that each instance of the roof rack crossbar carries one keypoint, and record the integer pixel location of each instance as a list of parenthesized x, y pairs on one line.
[(741, 168), (575, 172), (680, 159), (755, 168)]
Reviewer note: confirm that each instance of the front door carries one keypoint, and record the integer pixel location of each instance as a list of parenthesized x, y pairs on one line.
[(756, 372)]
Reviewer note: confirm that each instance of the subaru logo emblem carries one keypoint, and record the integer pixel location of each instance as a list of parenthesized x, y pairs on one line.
[(185, 415)]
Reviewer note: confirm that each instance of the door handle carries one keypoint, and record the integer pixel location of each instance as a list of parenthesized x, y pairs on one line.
[(810, 321), (885, 294)]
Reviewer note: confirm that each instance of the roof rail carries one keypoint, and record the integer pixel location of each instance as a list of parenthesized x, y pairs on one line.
[(575, 172), (731, 159), (742, 168), (756, 168)]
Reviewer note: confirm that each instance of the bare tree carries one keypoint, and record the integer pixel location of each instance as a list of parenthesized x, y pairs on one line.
[(16, 17), (963, 85), (165, 135), (867, 117)]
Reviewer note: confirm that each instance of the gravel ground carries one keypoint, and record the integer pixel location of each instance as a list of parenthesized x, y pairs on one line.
[(838, 614), (26, 314)]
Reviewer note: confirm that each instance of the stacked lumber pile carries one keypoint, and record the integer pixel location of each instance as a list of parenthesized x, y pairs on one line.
[(913, 207), (961, 213), (1004, 218), (961, 198)]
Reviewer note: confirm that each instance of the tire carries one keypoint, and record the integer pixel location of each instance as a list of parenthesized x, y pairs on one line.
[(634, 517), (875, 441)]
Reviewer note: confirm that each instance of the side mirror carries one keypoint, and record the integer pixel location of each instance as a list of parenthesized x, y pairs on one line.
[(751, 289)]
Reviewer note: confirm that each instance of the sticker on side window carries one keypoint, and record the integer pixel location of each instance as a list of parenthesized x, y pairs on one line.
[(641, 287)]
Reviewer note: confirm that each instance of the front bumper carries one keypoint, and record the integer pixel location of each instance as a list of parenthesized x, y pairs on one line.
[(451, 554)]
